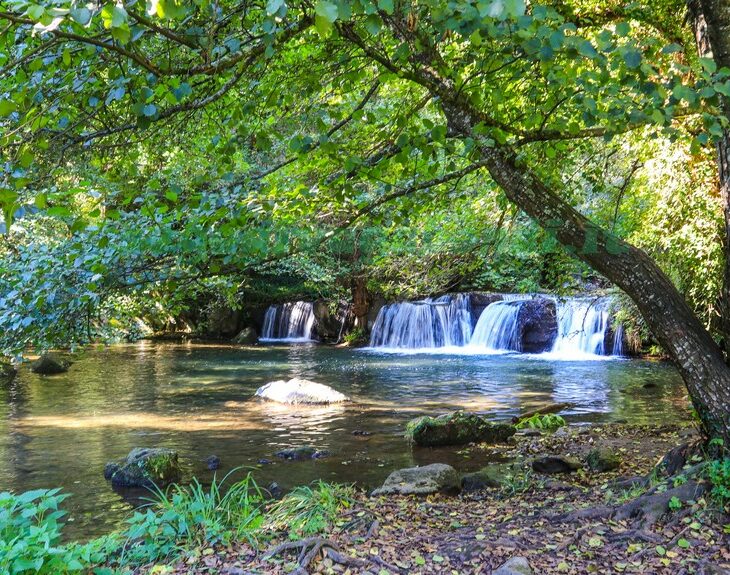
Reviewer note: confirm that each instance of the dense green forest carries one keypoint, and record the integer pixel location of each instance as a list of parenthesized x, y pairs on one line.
[(168, 160)]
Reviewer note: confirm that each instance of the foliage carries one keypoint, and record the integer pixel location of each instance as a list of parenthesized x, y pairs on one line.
[(30, 537), (189, 517), (309, 509), (548, 422), (718, 472), (356, 336)]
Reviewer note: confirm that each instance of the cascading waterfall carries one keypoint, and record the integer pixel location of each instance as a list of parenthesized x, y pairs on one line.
[(498, 328), (443, 322), (582, 327), (292, 321), (618, 340)]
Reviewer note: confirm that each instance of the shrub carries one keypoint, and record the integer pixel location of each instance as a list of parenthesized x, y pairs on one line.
[(188, 517), (549, 422), (718, 473), (30, 535), (307, 510)]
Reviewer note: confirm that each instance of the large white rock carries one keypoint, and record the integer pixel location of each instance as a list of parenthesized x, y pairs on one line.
[(298, 390)]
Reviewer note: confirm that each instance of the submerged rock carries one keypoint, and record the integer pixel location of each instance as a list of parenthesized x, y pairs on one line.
[(246, 336), (145, 467), (296, 391), (603, 459), (49, 364), (556, 464), (302, 453), (213, 462), (458, 428), (434, 478), (514, 566)]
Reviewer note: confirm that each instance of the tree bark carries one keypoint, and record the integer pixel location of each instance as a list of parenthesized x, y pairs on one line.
[(691, 347), (711, 25)]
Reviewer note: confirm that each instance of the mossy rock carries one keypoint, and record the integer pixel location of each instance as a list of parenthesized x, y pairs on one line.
[(458, 428), (49, 364), (603, 459), (434, 478), (493, 476), (145, 467)]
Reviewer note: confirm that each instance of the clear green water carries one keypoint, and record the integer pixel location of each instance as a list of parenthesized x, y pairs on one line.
[(61, 430)]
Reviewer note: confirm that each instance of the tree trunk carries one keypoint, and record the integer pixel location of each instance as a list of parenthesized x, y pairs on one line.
[(698, 358), (711, 24), (360, 301)]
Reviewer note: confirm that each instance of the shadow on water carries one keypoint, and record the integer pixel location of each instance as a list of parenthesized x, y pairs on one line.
[(197, 399)]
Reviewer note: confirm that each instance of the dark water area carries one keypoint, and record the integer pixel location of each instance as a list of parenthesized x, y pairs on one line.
[(198, 399)]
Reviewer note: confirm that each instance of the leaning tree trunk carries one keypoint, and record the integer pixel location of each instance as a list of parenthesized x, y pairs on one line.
[(698, 358), (711, 24)]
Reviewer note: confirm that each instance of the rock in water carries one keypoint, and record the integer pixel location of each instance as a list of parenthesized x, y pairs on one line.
[(603, 459), (145, 467), (458, 428), (514, 566), (49, 364), (556, 464), (434, 478), (213, 462), (246, 336), (297, 391), (301, 453)]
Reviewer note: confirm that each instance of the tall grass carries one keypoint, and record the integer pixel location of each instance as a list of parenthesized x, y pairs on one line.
[(307, 510), (193, 516)]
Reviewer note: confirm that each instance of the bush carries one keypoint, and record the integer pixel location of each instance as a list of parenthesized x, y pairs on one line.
[(308, 510), (718, 472), (189, 517), (549, 422), (30, 535)]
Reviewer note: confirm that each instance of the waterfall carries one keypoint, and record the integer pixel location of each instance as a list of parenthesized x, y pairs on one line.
[(292, 321), (582, 327), (618, 339), (497, 328), (443, 322)]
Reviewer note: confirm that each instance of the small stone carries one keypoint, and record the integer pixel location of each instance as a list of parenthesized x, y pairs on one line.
[(362, 433), (492, 476), (213, 462), (514, 566), (649, 385), (602, 459), (275, 491), (264, 461), (434, 478), (144, 467), (556, 464)]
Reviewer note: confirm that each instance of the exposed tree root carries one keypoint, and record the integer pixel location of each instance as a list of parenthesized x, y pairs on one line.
[(311, 547)]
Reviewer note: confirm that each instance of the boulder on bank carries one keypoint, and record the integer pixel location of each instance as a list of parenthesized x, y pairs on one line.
[(602, 459), (457, 428), (514, 566), (296, 391), (550, 464), (493, 476), (434, 478), (49, 364), (247, 336), (145, 467)]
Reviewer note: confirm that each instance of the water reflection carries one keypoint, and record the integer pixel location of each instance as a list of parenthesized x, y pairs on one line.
[(60, 431)]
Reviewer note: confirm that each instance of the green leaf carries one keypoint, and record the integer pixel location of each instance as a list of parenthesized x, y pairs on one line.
[(632, 59), (386, 6), (585, 48), (273, 6), (7, 107), (373, 23), (326, 10), (683, 543)]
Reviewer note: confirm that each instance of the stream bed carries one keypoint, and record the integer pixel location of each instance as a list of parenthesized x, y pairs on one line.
[(60, 431)]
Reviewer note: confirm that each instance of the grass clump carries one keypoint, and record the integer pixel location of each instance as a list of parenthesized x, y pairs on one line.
[(188, 517), (307, 510)]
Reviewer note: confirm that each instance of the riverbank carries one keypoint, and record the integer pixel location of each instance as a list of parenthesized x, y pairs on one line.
[(569, 523)]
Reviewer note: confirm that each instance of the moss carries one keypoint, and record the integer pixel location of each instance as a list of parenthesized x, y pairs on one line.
[(457, 428)]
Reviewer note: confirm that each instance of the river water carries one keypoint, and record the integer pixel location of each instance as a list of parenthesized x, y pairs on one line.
[(60, 431)]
